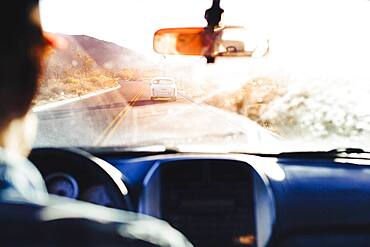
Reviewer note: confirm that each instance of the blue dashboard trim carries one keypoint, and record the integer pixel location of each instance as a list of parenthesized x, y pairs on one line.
[(149, 198), (301, 194)]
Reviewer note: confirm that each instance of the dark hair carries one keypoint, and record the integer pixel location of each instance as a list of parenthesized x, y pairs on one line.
[(22, 45)]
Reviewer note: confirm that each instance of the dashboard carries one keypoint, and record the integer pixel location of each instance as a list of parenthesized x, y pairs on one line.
[(223, 199)]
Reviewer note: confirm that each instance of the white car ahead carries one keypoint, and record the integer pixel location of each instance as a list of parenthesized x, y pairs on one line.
[(163, 87)]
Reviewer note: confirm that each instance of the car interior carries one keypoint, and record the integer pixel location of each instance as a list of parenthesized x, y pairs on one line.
[(214, 196), (230, 199)]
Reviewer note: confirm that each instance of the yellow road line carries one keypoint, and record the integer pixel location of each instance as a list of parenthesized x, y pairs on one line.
[(114, 128), (103, 136)]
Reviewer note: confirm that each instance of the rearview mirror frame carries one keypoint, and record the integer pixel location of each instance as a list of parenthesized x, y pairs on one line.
[(199, 41)]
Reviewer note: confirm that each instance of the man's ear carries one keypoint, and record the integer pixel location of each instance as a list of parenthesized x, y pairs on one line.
[(54, 40)]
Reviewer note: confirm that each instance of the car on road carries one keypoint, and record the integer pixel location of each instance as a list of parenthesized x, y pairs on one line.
[(163, 87)]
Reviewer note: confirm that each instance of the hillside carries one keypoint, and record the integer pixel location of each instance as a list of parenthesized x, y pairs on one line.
[(88, 65), (110, 55)]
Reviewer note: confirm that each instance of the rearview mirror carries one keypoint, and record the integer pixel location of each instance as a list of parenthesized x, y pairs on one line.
[(222, 42)]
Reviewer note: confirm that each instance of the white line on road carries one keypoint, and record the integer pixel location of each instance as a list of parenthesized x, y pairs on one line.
[(71, 100)]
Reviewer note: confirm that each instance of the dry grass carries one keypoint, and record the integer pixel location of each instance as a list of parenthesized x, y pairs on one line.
[(74, 73), (58, 89), (251, 100), (311, 109)]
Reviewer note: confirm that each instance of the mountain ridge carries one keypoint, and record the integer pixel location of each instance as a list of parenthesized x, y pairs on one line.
[(107, 54)]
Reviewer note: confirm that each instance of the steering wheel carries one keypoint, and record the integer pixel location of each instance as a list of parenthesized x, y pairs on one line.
[(74, 173)]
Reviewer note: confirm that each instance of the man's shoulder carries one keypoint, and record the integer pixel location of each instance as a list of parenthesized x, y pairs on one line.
[(20, 178)]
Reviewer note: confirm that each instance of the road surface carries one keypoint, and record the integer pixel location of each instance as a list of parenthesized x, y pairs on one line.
[(126, 116)]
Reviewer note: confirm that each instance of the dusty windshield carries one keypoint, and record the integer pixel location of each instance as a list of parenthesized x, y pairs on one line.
[(311, 92)]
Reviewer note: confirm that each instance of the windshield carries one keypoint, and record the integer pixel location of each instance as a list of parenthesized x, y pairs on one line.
[(311, 92)]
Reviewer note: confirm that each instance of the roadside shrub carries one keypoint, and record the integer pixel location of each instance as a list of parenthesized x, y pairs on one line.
[(71, 80), (320, 109), (306, 109)]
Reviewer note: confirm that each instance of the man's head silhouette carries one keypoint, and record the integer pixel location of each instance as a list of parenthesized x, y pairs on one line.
[(22, 45)]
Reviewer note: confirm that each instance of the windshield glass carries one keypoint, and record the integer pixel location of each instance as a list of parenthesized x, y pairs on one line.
[(311, 92)]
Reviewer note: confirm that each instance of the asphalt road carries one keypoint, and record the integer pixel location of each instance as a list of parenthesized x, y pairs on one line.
[(126, 116)]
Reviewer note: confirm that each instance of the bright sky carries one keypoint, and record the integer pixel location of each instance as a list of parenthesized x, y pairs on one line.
[(305, 34), (130, 23)]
